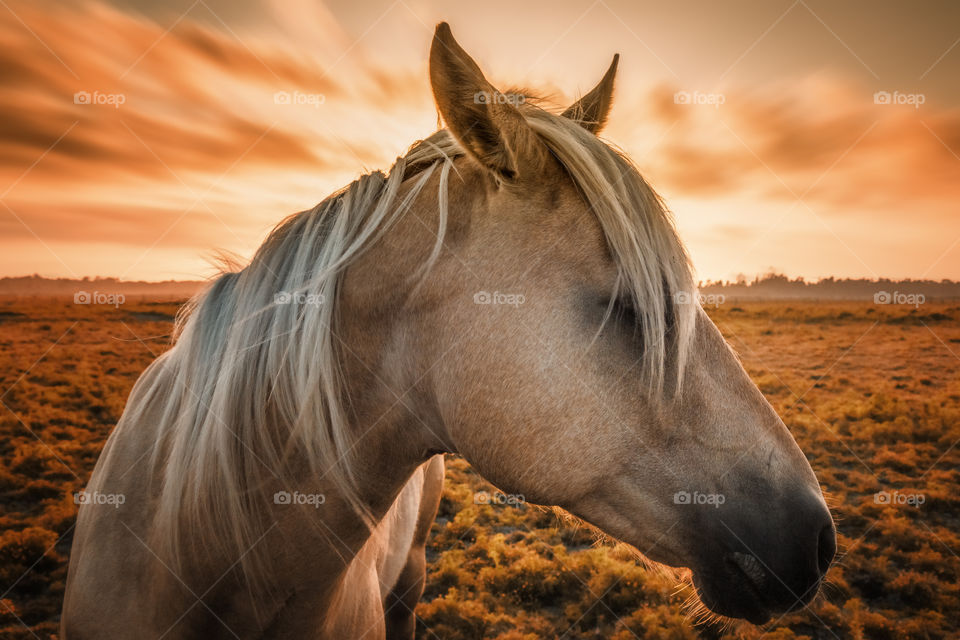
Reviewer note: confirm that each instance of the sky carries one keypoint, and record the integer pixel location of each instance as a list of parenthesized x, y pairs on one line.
[(815, 139)]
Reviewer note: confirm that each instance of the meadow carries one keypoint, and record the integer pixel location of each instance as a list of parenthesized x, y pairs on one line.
[(871, 392)]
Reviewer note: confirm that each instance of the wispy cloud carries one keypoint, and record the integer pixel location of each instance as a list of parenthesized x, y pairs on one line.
[(820, 139), (163, 122)]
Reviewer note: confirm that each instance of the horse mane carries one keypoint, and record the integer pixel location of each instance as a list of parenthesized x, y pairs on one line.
[(257, 347)]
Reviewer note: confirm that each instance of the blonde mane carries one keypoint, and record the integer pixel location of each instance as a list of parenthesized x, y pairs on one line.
[(258, 346)]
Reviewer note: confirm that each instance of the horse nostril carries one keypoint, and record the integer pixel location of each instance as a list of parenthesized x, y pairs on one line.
[(826, 548)]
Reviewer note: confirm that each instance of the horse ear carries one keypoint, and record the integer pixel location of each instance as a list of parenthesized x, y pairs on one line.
[(591, 110), (482, 119)]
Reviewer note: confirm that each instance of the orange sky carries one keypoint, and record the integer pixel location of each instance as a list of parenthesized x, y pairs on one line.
[(781, 158)]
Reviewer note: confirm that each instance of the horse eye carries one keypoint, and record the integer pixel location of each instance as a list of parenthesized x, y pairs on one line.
[(622, 310)]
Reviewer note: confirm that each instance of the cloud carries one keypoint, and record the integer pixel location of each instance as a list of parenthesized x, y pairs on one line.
[(114, 124), (189, 98), (821, 139), (160, 102)]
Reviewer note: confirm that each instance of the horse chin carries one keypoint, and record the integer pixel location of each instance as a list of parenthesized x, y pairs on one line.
[(732, 594)]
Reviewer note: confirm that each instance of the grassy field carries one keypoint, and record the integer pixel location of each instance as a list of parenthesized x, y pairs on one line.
[(871, 392)]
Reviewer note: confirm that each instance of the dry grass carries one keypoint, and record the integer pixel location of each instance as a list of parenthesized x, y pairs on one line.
[(872, 393)]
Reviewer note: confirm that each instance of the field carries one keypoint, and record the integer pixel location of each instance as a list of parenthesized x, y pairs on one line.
[(871, 393)]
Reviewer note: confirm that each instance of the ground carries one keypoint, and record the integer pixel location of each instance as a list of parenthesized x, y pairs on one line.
[(871, 393)]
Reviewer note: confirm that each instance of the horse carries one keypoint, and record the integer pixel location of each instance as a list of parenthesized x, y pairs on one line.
[(512, 291)]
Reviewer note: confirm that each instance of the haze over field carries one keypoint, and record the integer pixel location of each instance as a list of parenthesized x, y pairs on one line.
[(817, 138), (769, 287)]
